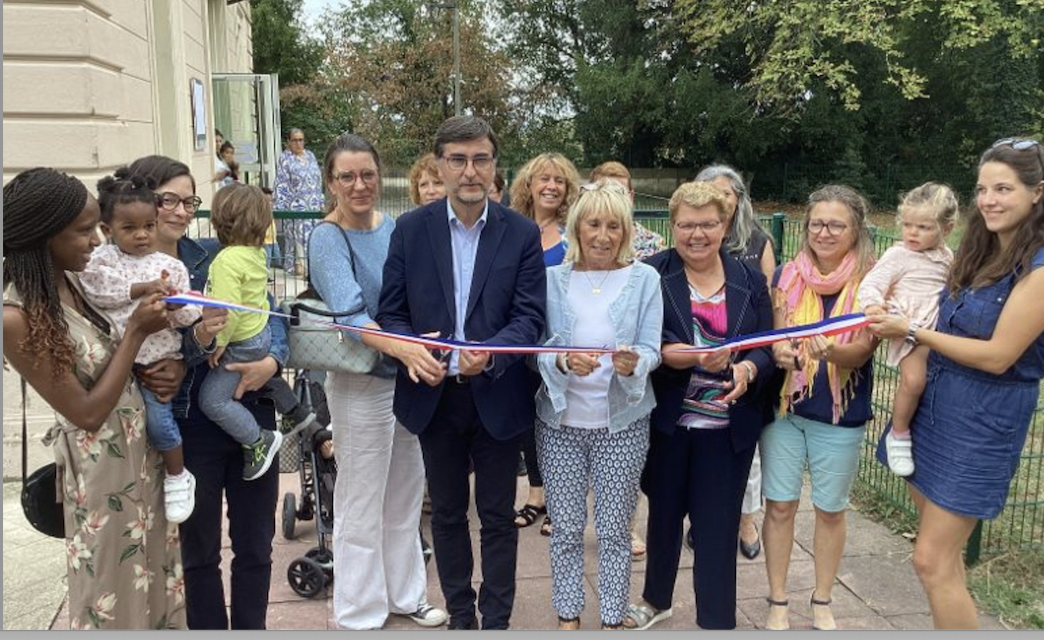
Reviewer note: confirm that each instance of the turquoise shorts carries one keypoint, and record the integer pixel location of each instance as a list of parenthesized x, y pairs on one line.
[(829, 452)]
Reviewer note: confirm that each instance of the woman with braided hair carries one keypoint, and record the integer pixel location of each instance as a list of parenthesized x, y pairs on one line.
[(124, 560)]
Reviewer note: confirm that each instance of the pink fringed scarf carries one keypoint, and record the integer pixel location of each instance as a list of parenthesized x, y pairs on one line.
[(799, 296)]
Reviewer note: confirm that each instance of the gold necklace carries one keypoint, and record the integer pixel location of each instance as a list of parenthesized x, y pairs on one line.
[(596, 289)]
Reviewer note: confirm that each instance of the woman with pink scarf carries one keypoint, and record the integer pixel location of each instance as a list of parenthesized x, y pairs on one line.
[(825, 400)]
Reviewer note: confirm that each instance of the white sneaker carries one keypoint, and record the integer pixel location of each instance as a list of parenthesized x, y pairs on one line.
[(179, 496), (900, 455), (428, 616)]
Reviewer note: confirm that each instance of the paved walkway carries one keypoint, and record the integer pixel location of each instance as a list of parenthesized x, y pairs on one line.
[(877, 588)]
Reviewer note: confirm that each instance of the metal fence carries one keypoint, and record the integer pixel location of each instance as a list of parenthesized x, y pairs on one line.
[(1019, 527)]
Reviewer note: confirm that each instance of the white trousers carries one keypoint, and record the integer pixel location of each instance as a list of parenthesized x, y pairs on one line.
[(752, 496), (378, 564)]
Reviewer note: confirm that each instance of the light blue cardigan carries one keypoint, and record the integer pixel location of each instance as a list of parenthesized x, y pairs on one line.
[(637, 316)]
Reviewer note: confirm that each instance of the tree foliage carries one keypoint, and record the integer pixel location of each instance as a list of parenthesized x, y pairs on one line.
[(793, 47), (882, 94), (280, 42), (394, 60)]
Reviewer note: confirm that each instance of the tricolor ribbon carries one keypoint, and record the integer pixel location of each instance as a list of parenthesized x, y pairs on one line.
[(828, 327)]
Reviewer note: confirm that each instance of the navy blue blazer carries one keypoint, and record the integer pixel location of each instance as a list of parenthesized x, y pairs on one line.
[(506, 305), (749, 310)]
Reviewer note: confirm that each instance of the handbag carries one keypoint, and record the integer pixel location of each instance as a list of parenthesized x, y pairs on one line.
[(41, 500), (321, 348)]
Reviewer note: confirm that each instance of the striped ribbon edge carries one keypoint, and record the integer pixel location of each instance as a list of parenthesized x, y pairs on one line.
[(828, 327)]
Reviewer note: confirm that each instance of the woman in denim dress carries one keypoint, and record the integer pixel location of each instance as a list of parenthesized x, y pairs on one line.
[(984, 373)]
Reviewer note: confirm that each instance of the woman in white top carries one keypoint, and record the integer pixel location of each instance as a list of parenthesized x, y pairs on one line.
[(593, 409)]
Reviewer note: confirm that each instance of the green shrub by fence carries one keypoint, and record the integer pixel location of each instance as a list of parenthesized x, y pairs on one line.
[(1019, 527)]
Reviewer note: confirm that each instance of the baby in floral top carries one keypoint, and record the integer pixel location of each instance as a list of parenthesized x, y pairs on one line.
[(121, 274)]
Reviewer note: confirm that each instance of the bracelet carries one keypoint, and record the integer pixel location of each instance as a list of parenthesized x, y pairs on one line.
[(563, 363), (205, 349), (751, 370)]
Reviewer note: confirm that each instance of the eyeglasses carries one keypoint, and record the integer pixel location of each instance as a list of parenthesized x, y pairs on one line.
[(347, 179), (296, 139), (1018, 144), (708, 227), (169, 201), (833, 227), (459, 163)]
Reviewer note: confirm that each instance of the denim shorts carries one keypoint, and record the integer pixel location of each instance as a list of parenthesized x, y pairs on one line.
[(830, 452)]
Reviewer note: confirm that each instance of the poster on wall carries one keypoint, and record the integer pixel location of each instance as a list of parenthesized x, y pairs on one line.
[(199, 114)]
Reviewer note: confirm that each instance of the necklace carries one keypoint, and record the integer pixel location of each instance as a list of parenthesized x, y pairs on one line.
[(546, 224), (596, 289)]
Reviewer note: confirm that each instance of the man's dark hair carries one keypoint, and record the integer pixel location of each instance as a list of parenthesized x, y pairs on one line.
[(463, 129)]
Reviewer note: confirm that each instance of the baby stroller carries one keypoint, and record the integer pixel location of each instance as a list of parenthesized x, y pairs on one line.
[(310, 574)]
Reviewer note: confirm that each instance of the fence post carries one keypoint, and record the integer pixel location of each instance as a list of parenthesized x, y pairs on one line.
[(778, 219), (974, 550)]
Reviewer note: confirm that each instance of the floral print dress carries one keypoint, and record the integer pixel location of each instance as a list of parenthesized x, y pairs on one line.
[(124, 559)]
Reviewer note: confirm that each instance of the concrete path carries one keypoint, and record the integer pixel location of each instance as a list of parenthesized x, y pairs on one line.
[(876, 589)]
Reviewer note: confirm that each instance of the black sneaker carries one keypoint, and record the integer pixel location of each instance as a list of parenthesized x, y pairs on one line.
[(258, 457), (299, 417)]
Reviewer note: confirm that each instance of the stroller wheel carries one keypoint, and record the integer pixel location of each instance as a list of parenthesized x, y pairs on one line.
[(323, 557), (289, 515), (306, 577)]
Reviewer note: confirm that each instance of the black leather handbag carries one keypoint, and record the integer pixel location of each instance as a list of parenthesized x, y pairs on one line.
[(41, 500)]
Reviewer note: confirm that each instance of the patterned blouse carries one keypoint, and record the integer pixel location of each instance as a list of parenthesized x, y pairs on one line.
[(299, 183), (701, 408), (646, 243)]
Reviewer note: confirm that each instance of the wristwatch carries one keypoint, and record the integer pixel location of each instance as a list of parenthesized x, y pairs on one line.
[(911, 333)]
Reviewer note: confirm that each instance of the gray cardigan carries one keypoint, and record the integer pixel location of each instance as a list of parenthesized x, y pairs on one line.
[(637, 317)]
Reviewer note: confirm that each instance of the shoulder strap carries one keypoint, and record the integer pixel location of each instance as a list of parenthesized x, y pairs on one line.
[(25, 434), (351, 253), (308, 275)]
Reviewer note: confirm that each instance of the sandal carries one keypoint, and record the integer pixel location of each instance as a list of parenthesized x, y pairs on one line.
[(637, 547), (568, 624), (813, 601), (642, 616), (777, 603), (545, 527), (528, 514)]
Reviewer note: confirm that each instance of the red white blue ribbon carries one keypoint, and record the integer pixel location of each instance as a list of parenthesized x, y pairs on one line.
[(828, 327)]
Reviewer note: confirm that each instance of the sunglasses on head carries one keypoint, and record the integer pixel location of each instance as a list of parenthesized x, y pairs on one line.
[(1019, 144)]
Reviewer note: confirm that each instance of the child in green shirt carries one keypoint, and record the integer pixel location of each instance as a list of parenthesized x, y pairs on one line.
[(241, 215)]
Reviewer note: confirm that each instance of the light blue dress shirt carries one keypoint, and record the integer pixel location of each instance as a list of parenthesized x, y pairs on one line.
[(465, 247)]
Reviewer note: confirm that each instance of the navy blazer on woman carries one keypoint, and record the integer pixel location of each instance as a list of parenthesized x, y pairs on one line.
[(507, 303), (749, 310)]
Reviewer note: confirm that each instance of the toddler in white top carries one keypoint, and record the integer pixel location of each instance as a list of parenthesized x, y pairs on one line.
[(119, 276), (908, 281)]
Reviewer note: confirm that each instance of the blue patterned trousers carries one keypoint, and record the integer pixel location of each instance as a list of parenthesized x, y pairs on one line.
[(573, 461)]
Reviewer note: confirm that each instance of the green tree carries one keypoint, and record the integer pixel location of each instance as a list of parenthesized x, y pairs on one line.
[(795, 46), (281, 44), (394, 61)]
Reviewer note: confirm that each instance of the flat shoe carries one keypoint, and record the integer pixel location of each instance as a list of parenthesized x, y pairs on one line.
[(545, 527)]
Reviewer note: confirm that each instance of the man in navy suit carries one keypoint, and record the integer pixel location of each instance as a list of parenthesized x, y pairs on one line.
[(467, 268)]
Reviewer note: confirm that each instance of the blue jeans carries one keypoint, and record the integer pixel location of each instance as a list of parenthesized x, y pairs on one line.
[(160, 426), (274, 254), (216, 395)]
